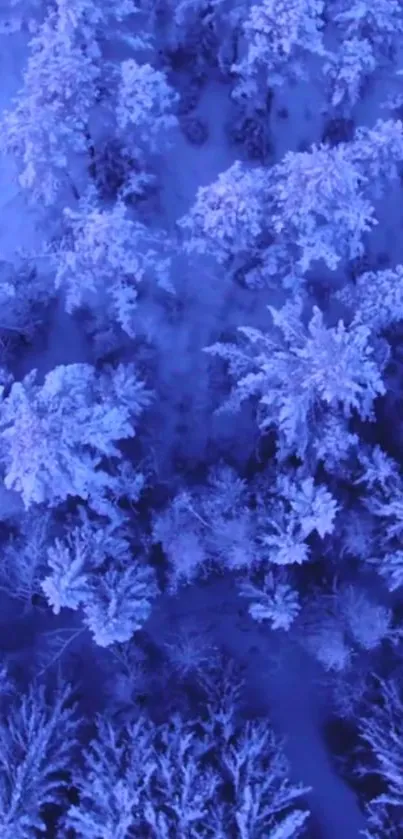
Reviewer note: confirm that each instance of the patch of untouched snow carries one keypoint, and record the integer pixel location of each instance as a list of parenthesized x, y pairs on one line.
[(11, 504), (65, 343), (213, 302), (304, 103), (207, 295), (13, 53), (293, 695), (190, 382), (21, 230), (187, 386), (185, 167)]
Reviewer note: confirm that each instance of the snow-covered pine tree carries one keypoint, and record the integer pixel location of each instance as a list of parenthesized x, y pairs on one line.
[(50, 116), (104, 257), (38, 737), (320, 203), (54, 436), (229, 215), (278, 37), (297, 372), (146, 104), (167, 779)]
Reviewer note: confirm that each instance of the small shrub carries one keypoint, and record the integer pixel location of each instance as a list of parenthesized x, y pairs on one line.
[(117, 173), (181, 59), (338, 131), (382, 260), (248, 274), (360, 265), (204, 43), (111, 169), (195, 130), (253, 133), (189, 96)]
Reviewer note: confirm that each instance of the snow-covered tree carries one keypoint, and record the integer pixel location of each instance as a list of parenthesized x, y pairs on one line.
[(49, 123), (380, 21), (313, 205), (191, 649), (383, 499), (25, 294), (94, 569), (261, 795), (224, 508), (168, 779), (120, 603), (111, 786), (125, 488), (282, 542), (368, 623), (51, 112), (211, 525), (211, 29), (334, 626), (23, 559), (279, 35), (335, 445), (369, 33), (326, 641), (320, 204), (182, 540), (311, 504), (274, 601), (53, 437), (382, 485), (228, 216), (104, 257), (288, 514), (38, 737), (290, 826), (347, 69), (186, 12), (377, 470), (70, 563), (376, 298), (145, 105), (390, 566), (91, 13), (381, 732), (377, 152), (294, 372), (387, 506)]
